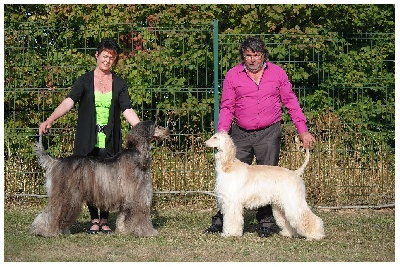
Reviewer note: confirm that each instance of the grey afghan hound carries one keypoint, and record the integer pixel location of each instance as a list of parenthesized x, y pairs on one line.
[(120, 184)]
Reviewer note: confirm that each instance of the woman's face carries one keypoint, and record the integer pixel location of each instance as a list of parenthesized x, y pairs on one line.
[(105, 60)]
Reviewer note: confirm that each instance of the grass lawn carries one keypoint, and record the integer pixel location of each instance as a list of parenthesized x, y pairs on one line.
[(351, 236)]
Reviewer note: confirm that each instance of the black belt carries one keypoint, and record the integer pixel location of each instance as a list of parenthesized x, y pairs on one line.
[(100, 128)]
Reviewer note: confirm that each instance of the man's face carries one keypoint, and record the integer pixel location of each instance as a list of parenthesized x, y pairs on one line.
[(254, 61)]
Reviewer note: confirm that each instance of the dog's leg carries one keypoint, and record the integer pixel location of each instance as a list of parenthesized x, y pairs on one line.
[(310, 225), (55, 219), (233, 219), (66, 204), (140, 224), (302, 219), (137, 221), (280, 219), (42, 225), (69, 215), (50, 223), (297, 212), (120, 223)]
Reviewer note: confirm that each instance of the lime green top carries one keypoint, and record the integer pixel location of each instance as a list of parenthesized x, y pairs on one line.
[(102, 103)]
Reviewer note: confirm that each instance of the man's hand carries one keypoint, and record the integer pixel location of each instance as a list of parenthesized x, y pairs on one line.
[(307, 139)]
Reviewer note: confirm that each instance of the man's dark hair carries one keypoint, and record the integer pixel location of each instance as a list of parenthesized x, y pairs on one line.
[(111, 46), (255, 44)]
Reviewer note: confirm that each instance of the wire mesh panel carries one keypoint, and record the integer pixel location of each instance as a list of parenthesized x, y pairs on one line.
[(344, 82), (169, 74), (345, 85)]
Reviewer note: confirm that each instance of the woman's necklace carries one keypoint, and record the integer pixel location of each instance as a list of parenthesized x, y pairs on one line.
[(104, 83)]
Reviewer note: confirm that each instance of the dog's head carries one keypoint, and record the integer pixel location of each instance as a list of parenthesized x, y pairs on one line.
[(226, 149), (220, 141), (214, 141), (143, 133), (160, 132)]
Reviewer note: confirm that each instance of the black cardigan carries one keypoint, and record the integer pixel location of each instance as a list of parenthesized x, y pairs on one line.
[(86, 136)]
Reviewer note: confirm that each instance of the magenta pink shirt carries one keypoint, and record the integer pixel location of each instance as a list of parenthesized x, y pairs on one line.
[(258, 106)]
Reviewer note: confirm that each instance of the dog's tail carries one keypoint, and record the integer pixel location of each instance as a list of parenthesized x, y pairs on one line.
[(300, 170), (45, 160)]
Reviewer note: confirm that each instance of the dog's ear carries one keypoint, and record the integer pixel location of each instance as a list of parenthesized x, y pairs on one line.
[(226, 143), (144, 128), (228, 154), (151, 127), (139, 134)]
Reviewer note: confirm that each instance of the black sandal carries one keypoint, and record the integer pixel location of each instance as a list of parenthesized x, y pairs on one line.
[(103, 230), (93, 232)]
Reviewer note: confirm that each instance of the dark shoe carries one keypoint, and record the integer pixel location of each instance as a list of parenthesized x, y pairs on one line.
[(266, 224), (104, 231), (214, 228), (93, 232), (216, 223), (264, 231)]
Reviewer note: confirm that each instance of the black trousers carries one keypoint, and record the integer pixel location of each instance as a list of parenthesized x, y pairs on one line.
[(264, 145), (94, 211)]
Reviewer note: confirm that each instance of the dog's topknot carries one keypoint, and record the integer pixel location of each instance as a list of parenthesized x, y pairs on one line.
[(140, 134)]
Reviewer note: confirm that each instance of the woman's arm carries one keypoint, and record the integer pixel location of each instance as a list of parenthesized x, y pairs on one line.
[(131, 116), (63, 108)]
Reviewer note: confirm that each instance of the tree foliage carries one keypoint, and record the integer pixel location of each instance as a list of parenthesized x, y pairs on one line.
[(243, 18), (49, 46)]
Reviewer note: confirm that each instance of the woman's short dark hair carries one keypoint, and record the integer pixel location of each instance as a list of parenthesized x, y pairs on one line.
[(111, 46), (255, 44)]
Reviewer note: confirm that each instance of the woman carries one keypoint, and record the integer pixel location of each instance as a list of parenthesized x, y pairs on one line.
[(101, 95)]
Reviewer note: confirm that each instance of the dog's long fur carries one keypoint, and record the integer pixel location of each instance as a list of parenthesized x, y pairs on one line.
[(240, 186), (120, 184)]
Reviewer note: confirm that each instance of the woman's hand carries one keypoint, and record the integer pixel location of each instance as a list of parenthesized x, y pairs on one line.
[(63, 108)]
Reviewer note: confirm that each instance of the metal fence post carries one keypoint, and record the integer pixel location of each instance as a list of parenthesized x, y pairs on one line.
[(216, 100)]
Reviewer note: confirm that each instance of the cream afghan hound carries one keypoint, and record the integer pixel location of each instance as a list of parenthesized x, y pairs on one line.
[(120, 184), (239, 185)]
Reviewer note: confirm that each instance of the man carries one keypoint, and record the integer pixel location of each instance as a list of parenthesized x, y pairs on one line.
[(251, 98)]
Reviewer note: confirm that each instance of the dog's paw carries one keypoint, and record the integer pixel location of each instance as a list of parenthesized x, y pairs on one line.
[(286, 233), (154, 232), (231, 234), (146, 232), (316, 236)]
